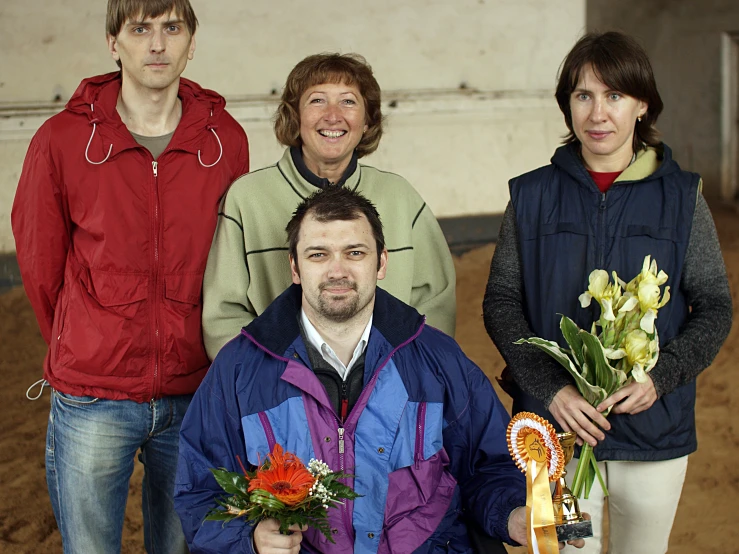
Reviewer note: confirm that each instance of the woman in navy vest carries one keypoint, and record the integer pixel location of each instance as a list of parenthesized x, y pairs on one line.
[(612, 195)]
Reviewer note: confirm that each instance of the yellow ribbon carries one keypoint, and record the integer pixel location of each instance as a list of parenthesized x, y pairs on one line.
[(527, 441), (539, 511)]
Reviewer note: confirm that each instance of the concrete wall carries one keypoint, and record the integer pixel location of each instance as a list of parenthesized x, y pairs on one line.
[(470, 82), (683, 40)]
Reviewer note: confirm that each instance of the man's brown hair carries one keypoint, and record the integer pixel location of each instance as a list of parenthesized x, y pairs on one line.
[(621, 64), (335, 203), (347, 69), (119, 11)]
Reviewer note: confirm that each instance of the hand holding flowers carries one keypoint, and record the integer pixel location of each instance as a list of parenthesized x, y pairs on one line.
[(609, 366)]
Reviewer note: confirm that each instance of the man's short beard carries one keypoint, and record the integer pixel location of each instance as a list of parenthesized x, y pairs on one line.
[(338, 310), (338, 313)]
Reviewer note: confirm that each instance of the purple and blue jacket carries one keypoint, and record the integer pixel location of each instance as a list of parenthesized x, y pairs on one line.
[(426, 440)]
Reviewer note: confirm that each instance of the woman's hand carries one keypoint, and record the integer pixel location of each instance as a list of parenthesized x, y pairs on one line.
[(268, 540), (573, 413), (632, 399)]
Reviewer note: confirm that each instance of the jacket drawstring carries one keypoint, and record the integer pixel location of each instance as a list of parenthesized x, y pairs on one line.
[(43, 383), (94, 126), (212, 128)]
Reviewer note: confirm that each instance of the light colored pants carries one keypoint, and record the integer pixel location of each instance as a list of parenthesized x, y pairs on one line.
[(643, 499)]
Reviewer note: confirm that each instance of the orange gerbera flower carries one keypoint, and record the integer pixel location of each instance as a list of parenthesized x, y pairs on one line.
[(286, 478)]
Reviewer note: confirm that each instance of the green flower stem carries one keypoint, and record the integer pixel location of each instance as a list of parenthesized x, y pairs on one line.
[(583, 466), (599, 476), (585, 474)]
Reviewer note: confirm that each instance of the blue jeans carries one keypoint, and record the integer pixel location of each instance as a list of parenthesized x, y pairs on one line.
[(90, 448)]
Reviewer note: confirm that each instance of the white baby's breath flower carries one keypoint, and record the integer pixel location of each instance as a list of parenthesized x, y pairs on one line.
[(318, 468)]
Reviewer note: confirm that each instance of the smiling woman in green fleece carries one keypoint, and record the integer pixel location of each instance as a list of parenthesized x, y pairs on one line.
[(329, 117)]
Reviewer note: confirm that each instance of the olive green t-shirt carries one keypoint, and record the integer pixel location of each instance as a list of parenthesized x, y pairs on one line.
[(155, 145)]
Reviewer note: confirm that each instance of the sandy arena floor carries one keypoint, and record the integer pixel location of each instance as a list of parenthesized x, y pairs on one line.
[(704, 518)]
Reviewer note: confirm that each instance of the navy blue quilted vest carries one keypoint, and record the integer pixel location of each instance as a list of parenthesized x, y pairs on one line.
[(567, 228)]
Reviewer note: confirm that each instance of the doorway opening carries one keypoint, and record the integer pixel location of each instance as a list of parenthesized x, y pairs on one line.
[(730, 116)]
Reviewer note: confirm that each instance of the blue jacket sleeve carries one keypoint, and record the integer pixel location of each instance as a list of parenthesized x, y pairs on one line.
[(211, 437), (475, 439)]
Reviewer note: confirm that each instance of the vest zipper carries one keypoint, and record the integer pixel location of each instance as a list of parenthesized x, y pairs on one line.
[(601, 231)]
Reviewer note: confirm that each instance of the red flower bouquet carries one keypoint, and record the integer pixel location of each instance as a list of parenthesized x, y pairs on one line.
[(283, 488)]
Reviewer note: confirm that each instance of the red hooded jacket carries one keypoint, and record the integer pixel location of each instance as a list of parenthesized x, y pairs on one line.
[(112, 244)]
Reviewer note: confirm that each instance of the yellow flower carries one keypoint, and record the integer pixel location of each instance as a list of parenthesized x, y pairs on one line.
[(606, 294), (649, 303), (641, 353), (648, 274)]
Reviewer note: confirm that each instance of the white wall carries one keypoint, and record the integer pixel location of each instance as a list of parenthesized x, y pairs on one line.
[(458, 146)]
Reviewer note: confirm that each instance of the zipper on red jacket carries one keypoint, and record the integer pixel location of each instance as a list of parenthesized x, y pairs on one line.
[(155, 306)]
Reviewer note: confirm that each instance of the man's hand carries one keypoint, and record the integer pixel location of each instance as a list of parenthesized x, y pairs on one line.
[(574, 413), (517, 528), (632, 399), (517, 525), (268, 540)]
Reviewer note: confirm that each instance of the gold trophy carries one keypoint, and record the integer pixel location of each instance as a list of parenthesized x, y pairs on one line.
[(567, 517)]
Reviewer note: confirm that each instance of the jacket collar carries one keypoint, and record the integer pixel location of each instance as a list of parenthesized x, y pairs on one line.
[(97, 97), (277, 328), (299, 180), (652, 163), (296, 154)]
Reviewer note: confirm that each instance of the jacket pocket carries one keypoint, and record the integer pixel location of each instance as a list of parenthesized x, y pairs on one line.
[(420, 487), (181, 328), (104, 327), (419, 498), (634, 242), (184, 291), (659, 233), (540, 230), (119, 293), (57, 329)]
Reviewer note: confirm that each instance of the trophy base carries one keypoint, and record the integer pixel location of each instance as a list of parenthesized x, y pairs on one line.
[(576, 530)]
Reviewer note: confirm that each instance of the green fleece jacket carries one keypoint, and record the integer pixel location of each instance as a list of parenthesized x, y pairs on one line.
[(248, 264)]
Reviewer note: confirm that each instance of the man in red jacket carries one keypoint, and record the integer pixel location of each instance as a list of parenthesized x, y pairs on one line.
[(113, 218)]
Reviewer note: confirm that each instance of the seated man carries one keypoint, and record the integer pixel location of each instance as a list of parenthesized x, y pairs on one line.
[(339, 370)]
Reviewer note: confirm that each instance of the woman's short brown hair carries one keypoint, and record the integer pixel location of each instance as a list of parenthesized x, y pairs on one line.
[(348, 69), (621, 64)]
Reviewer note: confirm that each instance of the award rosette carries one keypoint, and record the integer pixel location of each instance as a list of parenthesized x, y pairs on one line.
[(533, 444)]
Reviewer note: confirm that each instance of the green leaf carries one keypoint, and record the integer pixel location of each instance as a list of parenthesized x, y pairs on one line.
[(266, 500), (231, 482), (554, 350), (591, 393), (605, 374), (570, 332)]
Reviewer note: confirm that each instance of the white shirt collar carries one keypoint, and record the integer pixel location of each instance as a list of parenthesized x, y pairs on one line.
[(328, 354)]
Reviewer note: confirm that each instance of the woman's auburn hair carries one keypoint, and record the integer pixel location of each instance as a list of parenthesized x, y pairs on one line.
[(621, 64), (347, 69)]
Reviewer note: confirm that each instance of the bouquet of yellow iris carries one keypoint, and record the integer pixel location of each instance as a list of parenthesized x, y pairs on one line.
[(621, 346), (282, 488)]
